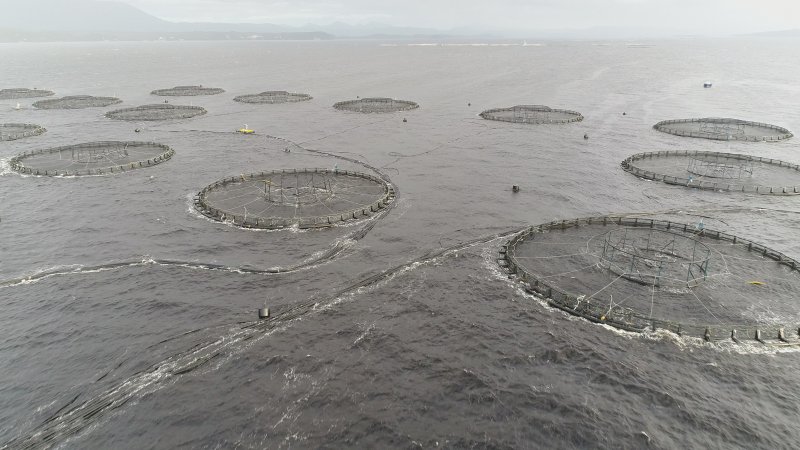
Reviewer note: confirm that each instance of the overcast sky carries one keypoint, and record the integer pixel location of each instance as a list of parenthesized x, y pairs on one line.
[(681, 16)]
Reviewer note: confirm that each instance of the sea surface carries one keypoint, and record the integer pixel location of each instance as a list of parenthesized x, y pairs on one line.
[(129, 321)]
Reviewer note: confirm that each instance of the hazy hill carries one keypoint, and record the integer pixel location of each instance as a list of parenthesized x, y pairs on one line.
[(93, 20), (64, 18), (76, 15)]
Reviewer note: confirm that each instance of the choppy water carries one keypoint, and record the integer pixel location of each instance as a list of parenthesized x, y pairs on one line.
[(131, 323)]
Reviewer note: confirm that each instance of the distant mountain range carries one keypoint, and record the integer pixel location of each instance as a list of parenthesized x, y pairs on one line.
[(47, 20), (94, 20)]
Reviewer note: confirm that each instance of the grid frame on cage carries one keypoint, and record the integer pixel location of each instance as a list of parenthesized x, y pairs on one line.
[(76, 102), (532, 114), (650, 262), (273, 97), (376, 105), (156, 112), (278, 199), (724, 129), (721, 168), (92, 158), (717, 171), (714, 302), (14, 131), (15, 93), (187, 91)]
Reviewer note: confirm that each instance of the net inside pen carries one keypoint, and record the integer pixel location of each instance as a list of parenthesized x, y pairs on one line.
[(92, 158), (155, 112), (532, 114), (639, 274), (13, 131), (302, 197), (76, 102), (376, 105), (723, 129), (717, 171)]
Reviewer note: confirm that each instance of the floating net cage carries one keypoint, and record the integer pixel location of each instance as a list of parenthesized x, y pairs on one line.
[(179, 91), (376, 105), (273, 97), (717, 171), (643, 274), (723, 129), (12, 131), (533, 114), (161, 111), (76, 102), (92, 158), (13, 93), (306, 198)]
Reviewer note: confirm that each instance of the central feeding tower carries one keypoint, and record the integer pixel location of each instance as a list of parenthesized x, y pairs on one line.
[(653, 257), (717, 166)]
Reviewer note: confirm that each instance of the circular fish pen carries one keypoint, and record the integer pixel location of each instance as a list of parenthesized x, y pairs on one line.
[(13, 131), (161, 111), (76, 102), (6, 94), (532, 114), (181, 91), (723, 129), (306, 198), (92, 158), (375, 105), (717, 171), (643, 274), (272, 97)]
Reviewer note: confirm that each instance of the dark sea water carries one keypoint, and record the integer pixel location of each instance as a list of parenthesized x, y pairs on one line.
[(134, 323)]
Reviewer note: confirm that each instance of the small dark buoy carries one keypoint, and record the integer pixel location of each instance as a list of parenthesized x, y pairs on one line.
[(469, 104), (586, 136), (515, 188), (166, 101), (136, 130), (358, 96), (404, 120), (624, 114), (263, 313), (287, 150)]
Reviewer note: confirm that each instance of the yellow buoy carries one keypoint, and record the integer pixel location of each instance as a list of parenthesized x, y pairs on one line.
[(245, 130)]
